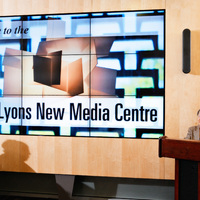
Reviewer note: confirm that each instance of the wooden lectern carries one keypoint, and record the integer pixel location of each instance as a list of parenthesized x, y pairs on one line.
[(187, 166)]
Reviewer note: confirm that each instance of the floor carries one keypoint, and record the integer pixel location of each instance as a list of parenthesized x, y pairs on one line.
[(22, 198), (34, 198)]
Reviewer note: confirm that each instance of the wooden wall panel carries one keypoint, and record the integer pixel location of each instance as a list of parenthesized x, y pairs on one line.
[(116, 157), (25, 7), (182, 90), (105, 150), (63, 155), (140, 159), (99, 5), (32, 143)]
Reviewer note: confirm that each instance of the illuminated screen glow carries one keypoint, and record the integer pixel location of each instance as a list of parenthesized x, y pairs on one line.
[(83, 75)]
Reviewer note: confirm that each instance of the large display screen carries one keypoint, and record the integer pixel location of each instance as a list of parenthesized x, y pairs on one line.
[(88, 74)]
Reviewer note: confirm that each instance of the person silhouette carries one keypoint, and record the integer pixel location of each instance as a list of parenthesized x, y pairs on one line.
[(15, 153)]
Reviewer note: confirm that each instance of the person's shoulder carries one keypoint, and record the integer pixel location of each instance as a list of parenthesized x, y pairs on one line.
[(193, 128)]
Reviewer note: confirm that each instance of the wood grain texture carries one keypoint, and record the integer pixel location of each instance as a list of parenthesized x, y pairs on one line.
[(179, 149), (115, 5), (116, 157), (182, 90), (21, 7), (182, 96)]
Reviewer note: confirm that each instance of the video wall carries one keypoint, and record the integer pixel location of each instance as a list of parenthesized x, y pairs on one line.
[(83, 75)]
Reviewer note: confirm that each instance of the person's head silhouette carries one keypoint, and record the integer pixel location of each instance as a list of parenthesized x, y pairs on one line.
[(15, 155)]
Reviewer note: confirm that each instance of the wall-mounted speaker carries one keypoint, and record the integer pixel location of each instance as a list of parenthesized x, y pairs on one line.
[(186, 51)]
